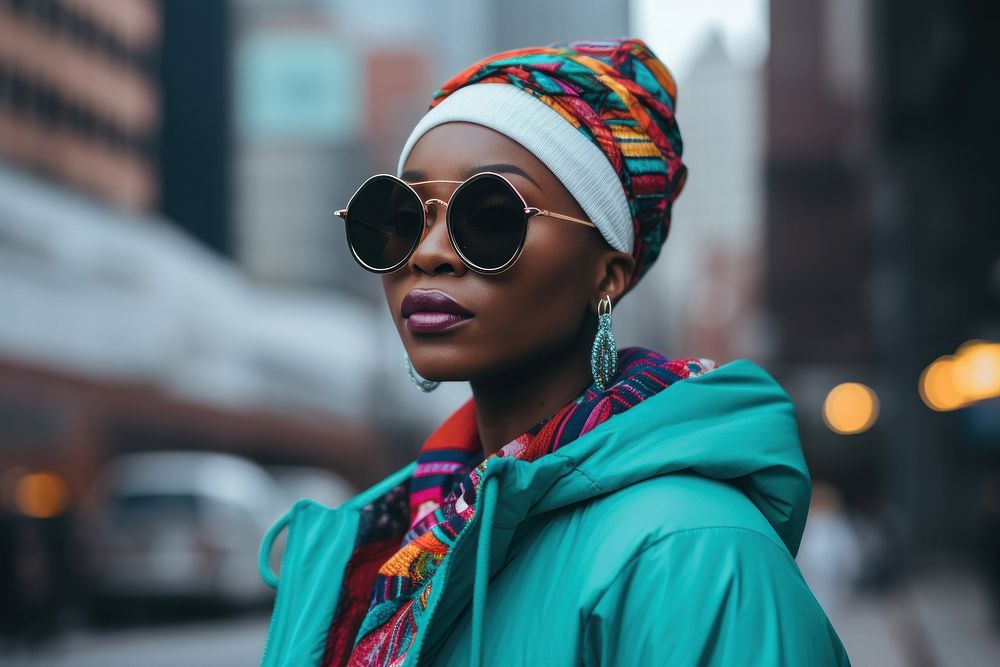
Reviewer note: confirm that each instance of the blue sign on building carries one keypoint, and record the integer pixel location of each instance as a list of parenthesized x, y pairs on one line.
[(297, 84)]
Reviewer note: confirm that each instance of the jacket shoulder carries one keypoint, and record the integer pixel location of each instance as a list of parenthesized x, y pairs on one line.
[(724, 595), (659, 506), (595, 540)]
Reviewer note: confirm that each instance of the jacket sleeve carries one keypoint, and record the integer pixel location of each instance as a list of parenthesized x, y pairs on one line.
[(710, 596)]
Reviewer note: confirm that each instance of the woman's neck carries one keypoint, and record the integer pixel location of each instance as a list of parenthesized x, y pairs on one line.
[(511, 402)]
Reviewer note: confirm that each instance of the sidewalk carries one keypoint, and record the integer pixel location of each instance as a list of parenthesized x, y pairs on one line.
[(937, 619)]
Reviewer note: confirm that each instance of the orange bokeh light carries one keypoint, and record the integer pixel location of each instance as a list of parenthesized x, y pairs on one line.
[(850, 407), (41, 495)]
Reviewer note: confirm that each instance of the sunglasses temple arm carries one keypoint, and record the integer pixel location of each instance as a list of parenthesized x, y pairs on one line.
[(537, 211)]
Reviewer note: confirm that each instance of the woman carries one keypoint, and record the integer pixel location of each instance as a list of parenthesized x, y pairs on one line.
[(587, 505)]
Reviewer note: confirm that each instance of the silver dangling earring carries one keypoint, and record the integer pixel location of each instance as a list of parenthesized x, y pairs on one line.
[(604, 354), (424, 385)]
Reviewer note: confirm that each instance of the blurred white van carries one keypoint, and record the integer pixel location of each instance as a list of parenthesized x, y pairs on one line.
[(182, 524), (321, 485)]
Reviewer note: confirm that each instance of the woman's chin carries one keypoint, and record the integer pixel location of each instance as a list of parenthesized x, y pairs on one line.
[(437, 367)]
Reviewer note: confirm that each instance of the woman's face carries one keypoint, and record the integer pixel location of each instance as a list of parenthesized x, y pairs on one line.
[(538, 305)]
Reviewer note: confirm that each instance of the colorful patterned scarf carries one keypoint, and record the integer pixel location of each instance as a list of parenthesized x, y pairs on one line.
[(622, 98), (441, 500)]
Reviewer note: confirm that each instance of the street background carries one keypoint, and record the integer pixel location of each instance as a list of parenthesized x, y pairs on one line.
[(186, 345)]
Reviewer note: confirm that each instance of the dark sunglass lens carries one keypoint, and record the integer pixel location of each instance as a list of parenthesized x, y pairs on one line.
[(384, 221), (487, 222)]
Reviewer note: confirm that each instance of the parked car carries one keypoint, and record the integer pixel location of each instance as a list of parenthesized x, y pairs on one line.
[(319, 484), (182, 524)]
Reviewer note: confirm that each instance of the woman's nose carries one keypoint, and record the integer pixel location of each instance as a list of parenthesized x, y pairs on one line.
[(435, 253)]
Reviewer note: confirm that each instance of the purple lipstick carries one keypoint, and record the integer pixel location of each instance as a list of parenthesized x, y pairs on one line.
[(428, 311)]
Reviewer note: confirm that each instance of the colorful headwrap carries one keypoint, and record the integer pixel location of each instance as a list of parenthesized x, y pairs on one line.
[(621, 98)]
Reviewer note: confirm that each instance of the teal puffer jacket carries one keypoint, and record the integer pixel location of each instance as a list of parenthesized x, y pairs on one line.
[(664, 536)]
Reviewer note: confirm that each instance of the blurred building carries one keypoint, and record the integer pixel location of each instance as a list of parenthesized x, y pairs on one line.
[(703, 296), (195, 138), (882, 248), (819, 242), (317, 102), (819, 150), (937, 244), (79, 100), (125, 101)]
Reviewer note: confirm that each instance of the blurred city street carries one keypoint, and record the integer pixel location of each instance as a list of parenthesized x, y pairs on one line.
[(201, 643), (936, 620), (187, 346)]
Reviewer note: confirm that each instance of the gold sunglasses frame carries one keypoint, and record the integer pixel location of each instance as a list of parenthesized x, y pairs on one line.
[(529, 212)]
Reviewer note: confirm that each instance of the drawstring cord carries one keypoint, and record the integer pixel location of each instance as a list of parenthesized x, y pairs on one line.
[(487, 503)]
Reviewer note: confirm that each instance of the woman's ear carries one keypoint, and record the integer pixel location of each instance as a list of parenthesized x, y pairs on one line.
[(614, 270)]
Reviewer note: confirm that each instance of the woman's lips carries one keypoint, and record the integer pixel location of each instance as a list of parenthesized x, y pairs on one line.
[(429, 320), (431, 310)]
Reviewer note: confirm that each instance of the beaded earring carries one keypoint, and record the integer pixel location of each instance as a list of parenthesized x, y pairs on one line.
[(604, 354), (424, 385)]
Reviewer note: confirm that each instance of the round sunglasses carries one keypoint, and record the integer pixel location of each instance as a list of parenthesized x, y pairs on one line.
[(487, 220)]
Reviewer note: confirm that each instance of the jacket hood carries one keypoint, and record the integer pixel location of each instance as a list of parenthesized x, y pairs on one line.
[(733, 423)]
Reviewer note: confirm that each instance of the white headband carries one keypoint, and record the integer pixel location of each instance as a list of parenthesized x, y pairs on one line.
[(578, 164)]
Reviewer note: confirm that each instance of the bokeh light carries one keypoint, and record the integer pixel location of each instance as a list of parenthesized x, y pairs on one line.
[(41, 495), (977, 370), (954, 381), (850, 407)]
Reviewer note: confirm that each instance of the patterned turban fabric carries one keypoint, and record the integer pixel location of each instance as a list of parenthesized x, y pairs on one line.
[(621, 97)]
